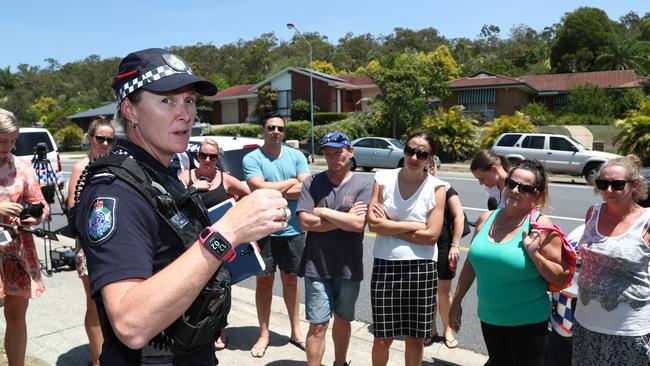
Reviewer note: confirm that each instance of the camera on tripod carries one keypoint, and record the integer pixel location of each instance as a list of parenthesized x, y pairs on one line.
[(40, 152)]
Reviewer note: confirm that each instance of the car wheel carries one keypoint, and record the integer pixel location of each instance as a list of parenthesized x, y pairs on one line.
[(353, 165), (591, 172), (400, 163), (367, 169)]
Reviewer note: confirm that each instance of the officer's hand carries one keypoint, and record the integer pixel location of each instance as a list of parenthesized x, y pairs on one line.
[(255, 216)]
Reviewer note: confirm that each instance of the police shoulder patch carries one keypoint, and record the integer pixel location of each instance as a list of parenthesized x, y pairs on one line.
[(101, 219)]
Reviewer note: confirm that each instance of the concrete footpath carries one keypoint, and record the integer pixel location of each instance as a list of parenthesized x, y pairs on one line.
[(56, 332)]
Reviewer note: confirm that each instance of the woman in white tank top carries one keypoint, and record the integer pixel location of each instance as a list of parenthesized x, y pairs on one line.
[(613, 307)]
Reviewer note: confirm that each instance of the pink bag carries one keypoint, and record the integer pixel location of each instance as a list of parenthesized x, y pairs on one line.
[(569, 254)]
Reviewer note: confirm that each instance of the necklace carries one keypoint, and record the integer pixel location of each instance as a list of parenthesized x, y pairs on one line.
[(507, 223)]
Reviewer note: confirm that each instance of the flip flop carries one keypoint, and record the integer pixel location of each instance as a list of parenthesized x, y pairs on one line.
[(451, 343), (431, 340), (297, 343), (258, 351)]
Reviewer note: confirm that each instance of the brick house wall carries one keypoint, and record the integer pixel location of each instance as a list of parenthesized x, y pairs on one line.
[(348, 100), (509, 100), (300, 90)]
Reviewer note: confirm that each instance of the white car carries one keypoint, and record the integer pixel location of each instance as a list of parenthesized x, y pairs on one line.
[(37, 145), (558, 153)]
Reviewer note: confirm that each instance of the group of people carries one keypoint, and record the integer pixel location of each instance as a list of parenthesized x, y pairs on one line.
[(150, 260)]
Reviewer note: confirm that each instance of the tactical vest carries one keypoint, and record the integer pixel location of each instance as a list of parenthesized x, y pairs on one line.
[(183, 212)]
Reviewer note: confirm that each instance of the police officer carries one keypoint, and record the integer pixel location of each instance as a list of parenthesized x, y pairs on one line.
[(149, 245)]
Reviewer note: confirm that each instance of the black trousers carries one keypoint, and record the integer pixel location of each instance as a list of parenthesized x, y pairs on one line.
[(522, 345)]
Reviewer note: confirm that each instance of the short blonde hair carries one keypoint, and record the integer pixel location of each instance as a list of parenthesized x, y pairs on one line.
[(209, 141), (8, 122)]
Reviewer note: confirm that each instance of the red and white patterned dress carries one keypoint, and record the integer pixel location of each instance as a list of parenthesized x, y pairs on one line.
[(20, 272)]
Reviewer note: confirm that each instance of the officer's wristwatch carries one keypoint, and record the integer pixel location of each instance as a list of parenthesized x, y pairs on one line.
[(219, 246)]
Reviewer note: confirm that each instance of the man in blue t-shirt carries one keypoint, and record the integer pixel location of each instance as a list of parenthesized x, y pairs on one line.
[(282, 168)]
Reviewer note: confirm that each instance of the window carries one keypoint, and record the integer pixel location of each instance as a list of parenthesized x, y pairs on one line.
[(381, 144), (365, 143), (27, 141), (508, 140), (533, 142), (284, 102), (562, 144), (485, 112)]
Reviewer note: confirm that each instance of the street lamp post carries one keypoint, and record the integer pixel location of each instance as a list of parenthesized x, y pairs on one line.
[(311, 86)]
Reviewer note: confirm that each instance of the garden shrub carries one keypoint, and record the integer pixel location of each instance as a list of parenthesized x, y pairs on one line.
[(300, 110), (69, 136), (244, 130), (323, 118), (454, 132), (517, 123), (538, 114)]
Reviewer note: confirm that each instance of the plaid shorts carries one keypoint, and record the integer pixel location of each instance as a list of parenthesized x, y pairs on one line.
[(402, 296)]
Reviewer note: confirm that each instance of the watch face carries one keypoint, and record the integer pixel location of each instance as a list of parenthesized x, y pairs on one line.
[(217, 245)]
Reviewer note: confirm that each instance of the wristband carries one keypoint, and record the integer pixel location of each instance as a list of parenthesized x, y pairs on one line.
[(219, 246), (455, 245)]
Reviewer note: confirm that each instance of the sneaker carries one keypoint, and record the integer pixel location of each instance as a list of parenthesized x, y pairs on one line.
[(345, 364)]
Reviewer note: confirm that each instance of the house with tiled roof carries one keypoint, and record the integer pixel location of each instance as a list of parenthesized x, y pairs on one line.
[(332, 93), (490, 95)]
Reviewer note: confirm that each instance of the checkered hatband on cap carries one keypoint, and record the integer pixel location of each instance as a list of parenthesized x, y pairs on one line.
[(146, 78)]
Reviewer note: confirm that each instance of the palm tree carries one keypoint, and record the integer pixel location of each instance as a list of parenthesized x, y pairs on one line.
[(626, 54), (634, 137), (7, 80)]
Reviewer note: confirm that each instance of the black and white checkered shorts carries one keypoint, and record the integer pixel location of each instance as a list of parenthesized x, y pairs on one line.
[(402, 295)]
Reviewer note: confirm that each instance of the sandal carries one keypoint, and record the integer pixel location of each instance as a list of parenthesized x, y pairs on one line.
[(451, 343)]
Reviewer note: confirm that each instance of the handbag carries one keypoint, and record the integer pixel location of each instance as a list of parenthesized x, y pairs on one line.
[(569, 254)]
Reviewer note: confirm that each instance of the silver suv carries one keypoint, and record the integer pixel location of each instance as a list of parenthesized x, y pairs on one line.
[(558, 153)]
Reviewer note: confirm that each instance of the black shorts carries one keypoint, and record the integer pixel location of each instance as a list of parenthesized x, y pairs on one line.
[(402, 297), (284, 252), (444, 273)]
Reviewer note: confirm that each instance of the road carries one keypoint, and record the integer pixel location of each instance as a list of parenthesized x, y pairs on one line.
[(569, 203)]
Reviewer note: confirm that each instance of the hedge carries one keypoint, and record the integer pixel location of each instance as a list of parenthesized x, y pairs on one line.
[(323, 118)]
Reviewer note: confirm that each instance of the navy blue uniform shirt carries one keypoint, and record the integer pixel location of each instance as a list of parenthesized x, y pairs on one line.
[(123, 238)]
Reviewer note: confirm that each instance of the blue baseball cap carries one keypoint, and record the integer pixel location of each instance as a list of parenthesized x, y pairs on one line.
[(334, 139), (156, 70)]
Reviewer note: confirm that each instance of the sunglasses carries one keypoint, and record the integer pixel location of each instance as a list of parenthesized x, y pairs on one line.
[(272, 128), (334, 137), (617, 184), (419, 154), (101, 139), (204, 156), (523, 188)]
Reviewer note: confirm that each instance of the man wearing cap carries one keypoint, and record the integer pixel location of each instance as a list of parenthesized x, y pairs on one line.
[(332, 209), (277, 166), (153, 257)]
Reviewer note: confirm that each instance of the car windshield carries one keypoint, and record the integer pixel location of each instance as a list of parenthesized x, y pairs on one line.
[(397, 143), (27, 141)]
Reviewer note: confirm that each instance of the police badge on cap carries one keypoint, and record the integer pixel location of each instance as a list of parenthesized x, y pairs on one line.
[(156, 70)]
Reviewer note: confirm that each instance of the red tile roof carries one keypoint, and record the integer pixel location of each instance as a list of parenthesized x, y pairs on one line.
[(234, 91), (603, 79), (483, 79), (357, 79)]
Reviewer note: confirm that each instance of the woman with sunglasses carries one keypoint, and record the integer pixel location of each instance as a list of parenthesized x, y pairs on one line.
[(613, 307), (491, 171), (153, 256), (406, 212), (100, 140), (213, 185), (513, 265)]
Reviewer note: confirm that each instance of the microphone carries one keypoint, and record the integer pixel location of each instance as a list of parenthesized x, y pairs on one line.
[(492, 203)]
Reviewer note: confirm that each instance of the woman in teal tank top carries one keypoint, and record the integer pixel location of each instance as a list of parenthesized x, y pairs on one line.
[(512, 266)]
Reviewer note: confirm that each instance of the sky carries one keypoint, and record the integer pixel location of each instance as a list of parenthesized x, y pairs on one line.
[(70, 30)]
